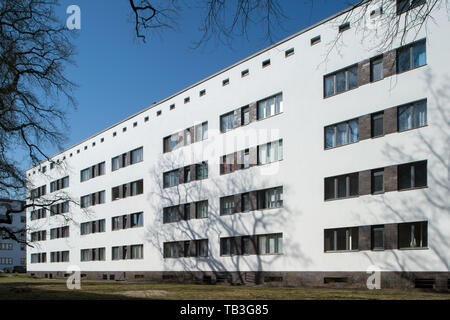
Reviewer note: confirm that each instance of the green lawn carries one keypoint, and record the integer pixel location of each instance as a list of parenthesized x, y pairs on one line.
[(22, 287)]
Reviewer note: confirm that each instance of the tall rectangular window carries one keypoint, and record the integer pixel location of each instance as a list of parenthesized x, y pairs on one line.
[(376, 69), (411, 56), (377, 181), (412, 175), (377, 124), (137, 155), (413, 235), (341, 134), (201, 209), (341, 81), (202, 170), (412, 116), (115, 163), (226, 246), (227, 205), (378, 237), (245, 115), (171, 178), (227, 122)]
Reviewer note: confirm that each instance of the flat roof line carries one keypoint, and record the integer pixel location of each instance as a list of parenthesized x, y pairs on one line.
[(213, 76)]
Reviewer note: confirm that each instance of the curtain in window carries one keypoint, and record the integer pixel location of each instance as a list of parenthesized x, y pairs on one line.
[(329, 86), (404, 118), (342, 134), (419, 54), (330, 137), (420, 114), (280, 150), (279, 104), (262, 154), (353, 131)]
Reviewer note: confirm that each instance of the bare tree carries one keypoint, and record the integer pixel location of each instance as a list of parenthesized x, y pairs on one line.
[(35, 48), (225, 20)]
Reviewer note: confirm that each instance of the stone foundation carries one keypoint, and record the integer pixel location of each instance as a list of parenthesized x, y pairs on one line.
[(439, 281)]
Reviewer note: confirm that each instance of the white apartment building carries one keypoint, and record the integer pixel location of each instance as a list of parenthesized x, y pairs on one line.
[(12, 253), (307, 163)]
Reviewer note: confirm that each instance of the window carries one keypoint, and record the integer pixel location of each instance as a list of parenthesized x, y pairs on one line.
[(406, 5), (226, 246), (137, 155), (202, 132), (270, 106), (115, 223), (172, 250), (137, 251), (172, 106), (187, 100), (227, 122), (202, 248), (245, 115), (115, 253), (412, 116), (342, 239), (227, 205), (171, 178), (202, 93), (342, 186), (270, 198), (202, 170), (341, 134), (187, 174), (315, 40), (171, 214), (159, 112), (92, 172), (289, 52), (270, 152), (146, 119), (137, 187), (411, 56), (246, 158), (378, 237), (344, 27), (225, 82), (412, 175), (266, 63), (376, 69), (377, 124), (187, 211), (201, 209), (341, 81), (115, 194), (245, 202), (270, 244), (377, 181), (413, 235), (136, 220), (245, 73), (59, 184), (115, 163)]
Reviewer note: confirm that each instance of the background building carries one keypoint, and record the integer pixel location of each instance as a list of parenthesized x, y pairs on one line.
[(13, 254), (307, 163)]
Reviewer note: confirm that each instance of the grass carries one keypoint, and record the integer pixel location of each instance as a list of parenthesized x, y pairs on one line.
[(21, 287)]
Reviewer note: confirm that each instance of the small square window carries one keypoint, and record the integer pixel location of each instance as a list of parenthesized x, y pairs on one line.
[(187, 100), (85, 147), (315, 40), (146, 119), (172, 106), (245, 73), (102, 140), (226, 82), (124, 129), (266, 63), (78, 151), (70, 154), (93, 144), (114, 134), (158, 113), (135, 125), (202, 93), (344, 27), (289, 52)]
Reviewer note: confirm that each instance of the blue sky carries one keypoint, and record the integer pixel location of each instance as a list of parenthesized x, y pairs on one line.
[(119, 76)]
